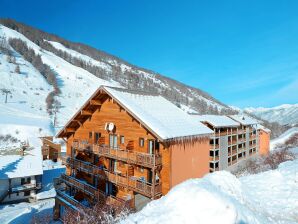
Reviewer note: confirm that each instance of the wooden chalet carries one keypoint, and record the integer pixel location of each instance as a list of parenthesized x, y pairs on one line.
[(128, 147)]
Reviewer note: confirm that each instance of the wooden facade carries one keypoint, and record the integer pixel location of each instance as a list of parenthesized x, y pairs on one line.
[(112, 153), (50, 150)]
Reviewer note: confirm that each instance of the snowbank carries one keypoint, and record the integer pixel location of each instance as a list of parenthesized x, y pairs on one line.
[(220, 197)]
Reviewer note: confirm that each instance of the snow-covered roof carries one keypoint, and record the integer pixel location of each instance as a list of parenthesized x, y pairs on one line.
[(14, 166), (261, 127), (244, 119), (216, 121), (158, 115)]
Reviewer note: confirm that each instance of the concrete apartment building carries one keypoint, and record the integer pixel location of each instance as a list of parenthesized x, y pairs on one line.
[(235, 138)]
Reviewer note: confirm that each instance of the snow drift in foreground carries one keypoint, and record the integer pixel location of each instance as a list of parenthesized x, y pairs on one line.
[(220, 197)]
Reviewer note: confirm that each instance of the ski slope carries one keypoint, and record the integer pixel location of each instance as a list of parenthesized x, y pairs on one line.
[(283, 138)]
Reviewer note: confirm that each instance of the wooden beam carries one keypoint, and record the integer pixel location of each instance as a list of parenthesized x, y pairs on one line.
[(69, 130), (95, 102), (79, 122), (86, 112)]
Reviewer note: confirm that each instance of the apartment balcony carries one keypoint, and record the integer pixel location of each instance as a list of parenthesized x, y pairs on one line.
[(217, 134), (214, 169), (241, 149), (233, 142), (25, 187), (138, 158), (214, 146), (65, 198), (87, 189), (130, 182), (252, 136), (213, 158), (241, 140), (252, 146)]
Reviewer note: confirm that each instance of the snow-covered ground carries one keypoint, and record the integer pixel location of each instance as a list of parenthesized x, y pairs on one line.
[(283, 138), (220, 197), (22, 213)]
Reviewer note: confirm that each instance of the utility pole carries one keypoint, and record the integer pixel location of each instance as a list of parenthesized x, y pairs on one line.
[(6, 92)]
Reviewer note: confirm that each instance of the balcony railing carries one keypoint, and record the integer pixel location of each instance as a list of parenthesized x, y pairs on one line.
[(131, 182), (93, 192), (138, 158), (68, 199), (24, 187)]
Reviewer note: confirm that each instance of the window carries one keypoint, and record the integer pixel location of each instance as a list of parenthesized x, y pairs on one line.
[(113, 141), (26, 193), (90, 134), (151, 146), (122, 140), (97, 136), (141, 142)]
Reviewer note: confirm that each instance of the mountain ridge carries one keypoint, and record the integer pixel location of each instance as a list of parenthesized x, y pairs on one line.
[(176, 92), (285, 114)]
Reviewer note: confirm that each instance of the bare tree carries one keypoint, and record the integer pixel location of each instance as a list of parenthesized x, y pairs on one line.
[(100, 213)]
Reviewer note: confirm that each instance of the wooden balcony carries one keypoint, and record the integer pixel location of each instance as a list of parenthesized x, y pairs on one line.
[(132, 157), (67, 199), (90, 190), (129, 182)]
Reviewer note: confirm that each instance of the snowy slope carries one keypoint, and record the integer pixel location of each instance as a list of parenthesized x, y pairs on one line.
[(220, 197), (283, 138), (284, 114), (76, 83)]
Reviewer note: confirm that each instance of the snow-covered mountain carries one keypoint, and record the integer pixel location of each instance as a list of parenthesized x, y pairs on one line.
[(283, 114), (79, 70)]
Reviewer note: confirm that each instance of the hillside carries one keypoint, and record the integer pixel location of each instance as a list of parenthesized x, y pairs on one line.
[(286, 114), (111, 68), (46, 79)]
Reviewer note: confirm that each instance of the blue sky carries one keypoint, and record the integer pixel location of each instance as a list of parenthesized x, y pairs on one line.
[(244, 53)]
